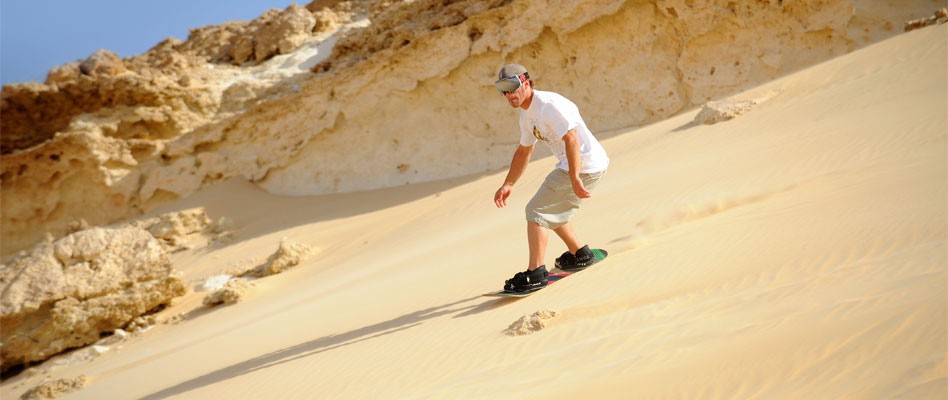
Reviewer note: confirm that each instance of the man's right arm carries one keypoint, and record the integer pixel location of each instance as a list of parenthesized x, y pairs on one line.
[(517, 166)]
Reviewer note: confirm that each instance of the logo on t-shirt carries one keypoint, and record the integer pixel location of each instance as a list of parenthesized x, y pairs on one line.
[(536, 133)]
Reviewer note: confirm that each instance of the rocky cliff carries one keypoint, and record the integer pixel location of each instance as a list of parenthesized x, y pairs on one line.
[(353, 95)]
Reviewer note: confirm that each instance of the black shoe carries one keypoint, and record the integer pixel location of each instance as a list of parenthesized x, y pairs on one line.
[(566, 259), (527, 280), (583, 258)]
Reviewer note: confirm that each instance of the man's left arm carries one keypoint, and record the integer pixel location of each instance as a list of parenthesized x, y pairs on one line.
[(575, 160)]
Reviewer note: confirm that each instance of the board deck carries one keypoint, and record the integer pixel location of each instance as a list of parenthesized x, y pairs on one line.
[(552, 278)]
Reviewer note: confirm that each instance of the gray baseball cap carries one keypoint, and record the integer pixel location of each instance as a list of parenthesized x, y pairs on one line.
[(511, 70)]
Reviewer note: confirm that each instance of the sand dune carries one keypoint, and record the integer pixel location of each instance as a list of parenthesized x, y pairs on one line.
[(797, 251)]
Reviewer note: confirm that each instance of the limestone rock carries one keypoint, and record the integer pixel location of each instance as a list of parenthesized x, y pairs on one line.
[(939, 17), (282, 33), (55, 389), (64, 294), (168, 58), (531, 323), (232, 292), (91, 168), (71, 180), (78, 225), (141, 324), (175, 229), (330, 14), (288, 255), (66, 73), (214, 43), (102, 63), (713, 112), (274, 32), (401, 24), (34, 113)]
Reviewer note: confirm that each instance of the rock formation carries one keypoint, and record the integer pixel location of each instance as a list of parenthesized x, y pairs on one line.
[(529, 324), (179, 230), (64, 294), (713, 112), (232, 292), (406, 95), (55, 389), (288, 255), (939, 17)]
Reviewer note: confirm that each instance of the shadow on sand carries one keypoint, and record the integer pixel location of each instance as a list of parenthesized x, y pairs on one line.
[(324, 344)]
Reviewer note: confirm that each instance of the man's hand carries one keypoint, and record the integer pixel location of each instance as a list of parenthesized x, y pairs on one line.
[(500, 198), (579, 188)]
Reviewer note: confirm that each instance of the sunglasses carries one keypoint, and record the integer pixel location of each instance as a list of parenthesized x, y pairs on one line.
[(508, 85)]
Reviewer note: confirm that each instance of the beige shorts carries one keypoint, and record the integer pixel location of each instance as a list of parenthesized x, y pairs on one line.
[(554, 203)]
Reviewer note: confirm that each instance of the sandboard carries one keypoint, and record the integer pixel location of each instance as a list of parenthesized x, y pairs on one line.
[(550, 279), (599, 255)]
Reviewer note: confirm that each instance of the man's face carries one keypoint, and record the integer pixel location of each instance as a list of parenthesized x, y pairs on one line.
[(517, 97)]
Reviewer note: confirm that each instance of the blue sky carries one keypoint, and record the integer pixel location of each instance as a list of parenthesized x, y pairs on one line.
[(37, 35)]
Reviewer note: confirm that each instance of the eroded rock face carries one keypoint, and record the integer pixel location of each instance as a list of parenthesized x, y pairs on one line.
[(76, 146), (278, 33), (273, 33), (64, 294)]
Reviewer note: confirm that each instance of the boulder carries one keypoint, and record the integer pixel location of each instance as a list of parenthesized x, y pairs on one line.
[(288, 255), (232, 292), (102, 63), (284, 33), (275, 32), (529, 324), (64, 294)]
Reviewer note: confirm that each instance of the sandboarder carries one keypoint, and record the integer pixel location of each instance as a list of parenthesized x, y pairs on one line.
[(582, 162)]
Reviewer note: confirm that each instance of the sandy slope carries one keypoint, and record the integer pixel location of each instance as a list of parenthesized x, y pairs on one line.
[(798, 251)]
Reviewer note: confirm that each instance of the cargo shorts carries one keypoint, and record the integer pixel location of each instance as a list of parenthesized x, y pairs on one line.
[(554, 203)]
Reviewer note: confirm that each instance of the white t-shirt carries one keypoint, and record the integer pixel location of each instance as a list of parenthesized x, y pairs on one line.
[(548, 119)]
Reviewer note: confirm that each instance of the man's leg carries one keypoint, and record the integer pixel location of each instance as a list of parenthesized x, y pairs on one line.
[(565, 232), (536, 237)]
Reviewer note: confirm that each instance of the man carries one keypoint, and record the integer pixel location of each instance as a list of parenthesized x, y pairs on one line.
[(582, 162)]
